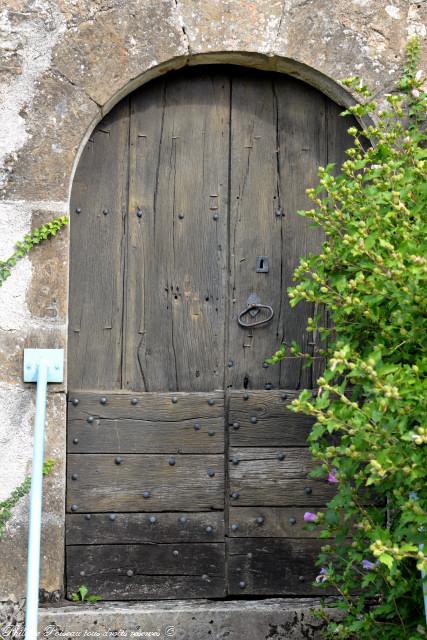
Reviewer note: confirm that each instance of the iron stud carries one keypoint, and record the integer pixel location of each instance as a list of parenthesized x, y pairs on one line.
[(82, 573), (292, 520), (280, 456), (172, 462), (75, 402), (230, 363), (234, 527), (215, 216), (181, 216), (254, 419), (134, 401), (88, 516), (236, 425), (209, 529), (211, 433), (242, 584), (129, 573), (74, 476), (175, 552), (279, 212), (78, 210), (75, 441), (235, 495), (250, 555), (211, 473), (284, 396), (146, 494), (105, 212), (268, 386), (89, 419), (118, 460), (265, 365), (308, 490), (174, 399), (246, 396), (74, 507), (183, 519), (301, 578), (205, 577), (103, 400), (138, 212), (112, 516), (235, 461), (211, 402), (196, 426), (152, 519), (259, 519)]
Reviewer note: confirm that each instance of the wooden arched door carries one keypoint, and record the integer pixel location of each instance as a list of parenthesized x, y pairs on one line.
[(187, 477)]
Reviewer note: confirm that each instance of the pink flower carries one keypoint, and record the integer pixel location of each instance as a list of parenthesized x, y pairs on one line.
[(310, 517), (332, 478), (415, 93)]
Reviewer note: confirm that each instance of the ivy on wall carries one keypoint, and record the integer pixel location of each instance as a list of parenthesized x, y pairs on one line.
[(29, 241)]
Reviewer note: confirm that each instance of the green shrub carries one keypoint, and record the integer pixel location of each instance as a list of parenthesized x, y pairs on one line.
[(370, 432)]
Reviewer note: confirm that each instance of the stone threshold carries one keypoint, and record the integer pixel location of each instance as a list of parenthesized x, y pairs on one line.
[(270, 619)]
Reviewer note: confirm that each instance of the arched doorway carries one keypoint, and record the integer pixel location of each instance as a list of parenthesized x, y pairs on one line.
[(187, 477)]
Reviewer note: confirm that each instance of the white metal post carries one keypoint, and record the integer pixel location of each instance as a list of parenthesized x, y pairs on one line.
[(40, 366)]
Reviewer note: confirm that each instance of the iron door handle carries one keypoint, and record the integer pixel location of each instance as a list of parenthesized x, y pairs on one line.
[(258, 323)]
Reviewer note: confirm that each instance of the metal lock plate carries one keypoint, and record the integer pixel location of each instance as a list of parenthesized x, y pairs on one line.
[(262, 264)]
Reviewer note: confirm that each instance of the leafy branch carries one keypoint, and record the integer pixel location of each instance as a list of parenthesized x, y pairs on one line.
[(22, 490), (22, 248)]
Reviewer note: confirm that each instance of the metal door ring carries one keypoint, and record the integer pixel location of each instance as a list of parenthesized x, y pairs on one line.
[(255, 307)]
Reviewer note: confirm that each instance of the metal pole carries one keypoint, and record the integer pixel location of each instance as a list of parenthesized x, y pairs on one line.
[(33, 567), (40, 366)]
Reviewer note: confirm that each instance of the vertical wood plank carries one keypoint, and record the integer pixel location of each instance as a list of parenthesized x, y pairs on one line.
[(174, 318), (255, 230), (302, 135), (96, 263)]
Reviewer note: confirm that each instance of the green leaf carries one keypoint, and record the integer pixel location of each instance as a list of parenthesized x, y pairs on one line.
[(83, 591), (387, 559)]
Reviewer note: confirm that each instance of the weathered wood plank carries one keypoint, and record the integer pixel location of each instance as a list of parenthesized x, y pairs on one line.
[(98, 209), (204, 435), (153, 407), (269, 522), (274, 566), (136, 528), (263, 478), (192, 483), (275, 425), (286, 493), (302, 135), (269, 464), (152, 571), (255, 230), (177, 249)]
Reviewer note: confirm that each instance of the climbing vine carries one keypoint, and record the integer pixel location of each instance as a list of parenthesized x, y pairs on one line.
[(370, 431), (22, 490), (29, 241)]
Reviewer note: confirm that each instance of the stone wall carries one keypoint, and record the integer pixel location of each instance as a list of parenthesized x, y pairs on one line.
[(64, 64)]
